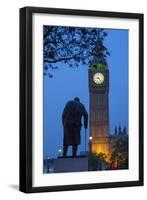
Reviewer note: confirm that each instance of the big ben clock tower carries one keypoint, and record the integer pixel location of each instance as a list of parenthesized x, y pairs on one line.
[(99, 109)]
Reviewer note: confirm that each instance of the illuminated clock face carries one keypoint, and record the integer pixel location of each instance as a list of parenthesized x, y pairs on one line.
[(98, 78)]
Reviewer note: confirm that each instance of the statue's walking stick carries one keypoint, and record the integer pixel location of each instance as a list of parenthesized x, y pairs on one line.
[(85, 141)]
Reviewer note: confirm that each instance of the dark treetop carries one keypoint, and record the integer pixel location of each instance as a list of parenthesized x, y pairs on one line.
[(73, 46)]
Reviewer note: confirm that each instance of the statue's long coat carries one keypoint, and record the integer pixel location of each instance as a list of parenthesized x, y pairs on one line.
[(71, 119)]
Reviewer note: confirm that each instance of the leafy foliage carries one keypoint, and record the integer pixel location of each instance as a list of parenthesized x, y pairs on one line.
[(120, 152), (96, 161), (73, 46)]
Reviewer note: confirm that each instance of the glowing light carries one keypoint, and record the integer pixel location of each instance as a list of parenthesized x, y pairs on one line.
[(60, 150), (90, 138), (101, 148)]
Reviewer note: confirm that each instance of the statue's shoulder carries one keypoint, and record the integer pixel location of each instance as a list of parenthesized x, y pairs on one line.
[(82, 108), (69, 103), (82, 105)]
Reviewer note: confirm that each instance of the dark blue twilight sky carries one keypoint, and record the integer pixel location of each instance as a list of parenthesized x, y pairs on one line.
[(68, 83)]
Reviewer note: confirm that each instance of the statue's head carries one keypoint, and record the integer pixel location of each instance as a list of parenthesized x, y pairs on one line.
[(77, 99)]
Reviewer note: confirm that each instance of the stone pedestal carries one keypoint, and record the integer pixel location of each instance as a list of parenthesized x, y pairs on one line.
[(71, 164)]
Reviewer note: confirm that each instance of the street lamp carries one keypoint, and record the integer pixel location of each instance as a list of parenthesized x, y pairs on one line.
[(60, 151), (90, 140)]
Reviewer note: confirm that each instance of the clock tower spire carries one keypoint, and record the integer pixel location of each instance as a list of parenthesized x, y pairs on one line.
[(99, 108)]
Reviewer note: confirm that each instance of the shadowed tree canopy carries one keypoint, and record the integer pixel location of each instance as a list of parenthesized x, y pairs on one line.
[(72, 46), (120, 152)]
